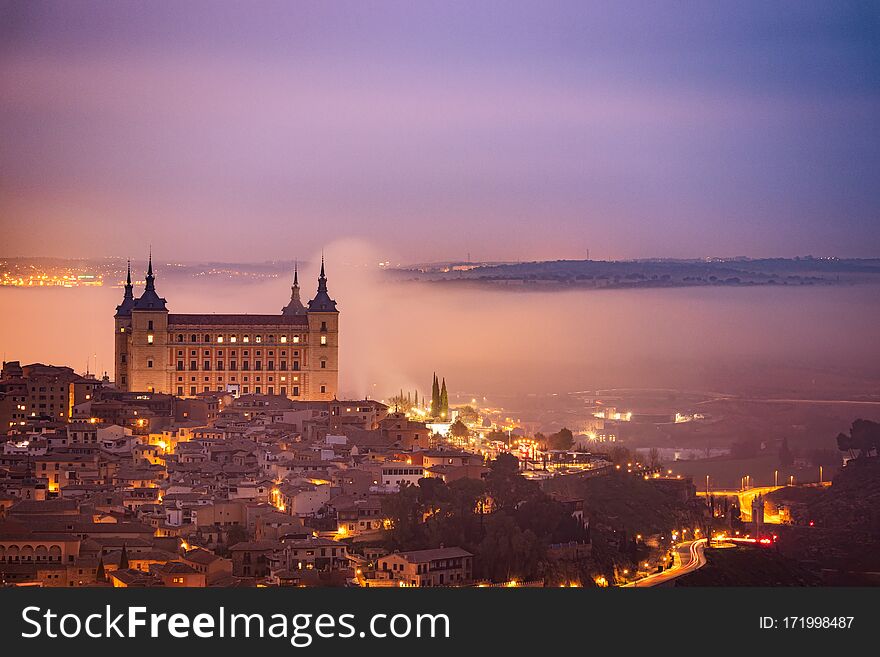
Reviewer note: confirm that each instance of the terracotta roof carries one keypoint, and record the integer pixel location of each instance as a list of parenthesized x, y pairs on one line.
[(424, 556), (236, 320), (132, 577), (175, 567), (312, 542), (201, 556), (44, 507)]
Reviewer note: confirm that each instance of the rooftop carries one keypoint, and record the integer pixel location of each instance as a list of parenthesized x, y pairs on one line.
[(209, 319), (424, 556)]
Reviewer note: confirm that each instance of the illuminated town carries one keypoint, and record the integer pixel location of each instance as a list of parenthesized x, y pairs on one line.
[(193, 467)]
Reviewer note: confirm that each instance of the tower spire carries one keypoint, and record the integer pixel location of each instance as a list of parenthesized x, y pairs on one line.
[(124, 308), (151, 280), (322, 279), (149, 300), (322, 301), (295, 307)]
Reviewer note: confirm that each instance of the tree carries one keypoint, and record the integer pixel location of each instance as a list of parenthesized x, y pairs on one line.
[(862, 440), (123, 559), (444, 400), (504, 465), (468, 414), (507, 552), (401, 402), (435, 397), (506, 485), (541, 439), (562, 439), (459, 430), (654, 458), (404, 509), (786, 458), (496, 435), (506, 521)]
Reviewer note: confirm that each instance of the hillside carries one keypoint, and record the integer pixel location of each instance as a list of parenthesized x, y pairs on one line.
[(626, 502), (853, 501), (745, 566)]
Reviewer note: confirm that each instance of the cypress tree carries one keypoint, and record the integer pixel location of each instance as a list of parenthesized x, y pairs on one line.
[(444, 400), (435, 397)]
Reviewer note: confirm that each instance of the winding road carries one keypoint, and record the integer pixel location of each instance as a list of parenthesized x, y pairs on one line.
[(687, 558)]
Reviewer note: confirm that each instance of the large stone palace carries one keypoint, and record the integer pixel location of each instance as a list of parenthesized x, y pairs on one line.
[(294, 354)]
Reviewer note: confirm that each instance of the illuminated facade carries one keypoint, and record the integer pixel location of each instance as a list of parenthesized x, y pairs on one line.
[(293, 354)]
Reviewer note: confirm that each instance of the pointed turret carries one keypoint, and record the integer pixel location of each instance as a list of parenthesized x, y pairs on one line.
[(322, 301), (295, 307), (124, 309), (149, 300)]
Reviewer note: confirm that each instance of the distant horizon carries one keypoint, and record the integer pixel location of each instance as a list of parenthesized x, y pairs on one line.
[(158, 260)]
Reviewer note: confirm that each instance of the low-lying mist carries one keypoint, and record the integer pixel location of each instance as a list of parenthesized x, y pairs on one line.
[(820, 340)]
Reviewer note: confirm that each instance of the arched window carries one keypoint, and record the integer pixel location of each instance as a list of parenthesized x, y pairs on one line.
[(180, 337), (193, 338)]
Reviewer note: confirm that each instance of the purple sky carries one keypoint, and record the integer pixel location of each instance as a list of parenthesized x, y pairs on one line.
[(250, 131)]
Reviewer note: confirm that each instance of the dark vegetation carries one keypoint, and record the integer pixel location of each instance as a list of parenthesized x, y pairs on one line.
[(506, 521), (756, 566)]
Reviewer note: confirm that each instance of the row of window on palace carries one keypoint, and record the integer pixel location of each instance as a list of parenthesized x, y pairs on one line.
[(296, 340), (233, 365), (245, 390), (234, 338)]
